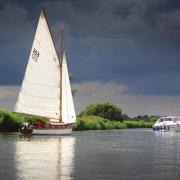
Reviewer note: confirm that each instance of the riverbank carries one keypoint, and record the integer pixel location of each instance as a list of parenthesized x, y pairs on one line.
[(98, 123), (11, 122)]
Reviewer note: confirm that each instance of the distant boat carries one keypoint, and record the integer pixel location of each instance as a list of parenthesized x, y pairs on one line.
[(167, 123), (46, 90)]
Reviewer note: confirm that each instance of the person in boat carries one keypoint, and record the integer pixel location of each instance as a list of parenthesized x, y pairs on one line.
[(26, 129), (27, 125)]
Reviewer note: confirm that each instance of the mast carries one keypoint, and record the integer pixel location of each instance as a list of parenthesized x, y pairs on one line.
[(61, 59)]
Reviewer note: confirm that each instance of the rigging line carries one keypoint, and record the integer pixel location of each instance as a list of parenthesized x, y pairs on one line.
[(40, 84), (37, 96)]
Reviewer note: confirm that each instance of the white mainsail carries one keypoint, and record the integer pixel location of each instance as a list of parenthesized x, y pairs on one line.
[(40, 91)]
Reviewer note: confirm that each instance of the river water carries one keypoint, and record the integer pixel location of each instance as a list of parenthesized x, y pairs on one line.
[(91, 155)]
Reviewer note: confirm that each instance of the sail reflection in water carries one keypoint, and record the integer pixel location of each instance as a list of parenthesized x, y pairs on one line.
[(45, 158)]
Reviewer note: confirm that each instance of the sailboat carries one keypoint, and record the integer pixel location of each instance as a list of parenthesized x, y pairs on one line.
[(46, 90)]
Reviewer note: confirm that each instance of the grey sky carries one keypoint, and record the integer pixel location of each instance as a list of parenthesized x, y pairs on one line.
[(131, 43)]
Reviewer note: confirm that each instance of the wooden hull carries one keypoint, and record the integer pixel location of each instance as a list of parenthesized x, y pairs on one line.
[(26, 131), (46, 131), (46, 128)]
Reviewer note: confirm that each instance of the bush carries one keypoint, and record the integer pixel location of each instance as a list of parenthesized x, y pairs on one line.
[(29, 118), (104, 110), (138, 124), (10, 121), (99, 123), (96, 123)]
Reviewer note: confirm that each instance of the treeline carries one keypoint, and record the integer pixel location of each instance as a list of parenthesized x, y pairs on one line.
[(98, 116), (99, 123), (101, 116)]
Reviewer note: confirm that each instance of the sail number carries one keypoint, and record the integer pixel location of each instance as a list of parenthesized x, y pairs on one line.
[(35, 55)]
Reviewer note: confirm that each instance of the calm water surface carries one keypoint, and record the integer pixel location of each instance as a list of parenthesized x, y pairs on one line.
[(91, 155)]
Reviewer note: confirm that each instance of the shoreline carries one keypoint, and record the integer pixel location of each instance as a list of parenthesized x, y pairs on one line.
[(12, 122)]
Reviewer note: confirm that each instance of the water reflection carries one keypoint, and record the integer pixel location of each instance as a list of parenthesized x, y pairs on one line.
[(50, 158), (167, 148), (7, 167), (98, 155)]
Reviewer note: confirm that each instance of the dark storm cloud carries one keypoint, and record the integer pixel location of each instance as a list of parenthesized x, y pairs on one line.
[(133, 42), (14, 36), (116, 18)]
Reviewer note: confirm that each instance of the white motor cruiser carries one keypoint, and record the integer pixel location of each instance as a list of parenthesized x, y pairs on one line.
[(167, 123)]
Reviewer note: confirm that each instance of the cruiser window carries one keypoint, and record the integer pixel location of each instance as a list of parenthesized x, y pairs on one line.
[(175, 119), (167, 119), (161, 120)]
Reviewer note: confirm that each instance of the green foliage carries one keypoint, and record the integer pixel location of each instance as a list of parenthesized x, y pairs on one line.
[(96, 123), (104, 110), (99, 123), (10, 121), (28, 118), (146, 118), (138, 124), (152, 119), (73, 90)]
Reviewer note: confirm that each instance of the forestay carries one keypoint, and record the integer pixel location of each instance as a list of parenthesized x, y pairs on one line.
[(40, 91)]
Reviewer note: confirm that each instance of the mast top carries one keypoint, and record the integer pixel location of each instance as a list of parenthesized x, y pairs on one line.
[(42, 9), (62, 45), (62, 38)]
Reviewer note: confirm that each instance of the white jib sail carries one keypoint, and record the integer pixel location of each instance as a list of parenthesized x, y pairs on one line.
[(68, 112), (40, 91)]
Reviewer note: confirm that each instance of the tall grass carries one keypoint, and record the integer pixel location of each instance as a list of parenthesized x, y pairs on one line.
[(96, 123), (138, 124), (10, 121)]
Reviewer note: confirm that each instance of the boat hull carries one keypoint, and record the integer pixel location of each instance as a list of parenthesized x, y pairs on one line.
[(47, 128), (26, 131), (172, 128), (167, 123), (65, 131)]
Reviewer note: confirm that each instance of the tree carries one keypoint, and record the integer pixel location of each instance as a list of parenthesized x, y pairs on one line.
[(73, 90), (104, 110)]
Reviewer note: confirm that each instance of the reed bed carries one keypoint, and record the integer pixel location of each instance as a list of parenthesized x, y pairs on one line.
[(98, 123), (11, 122)]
